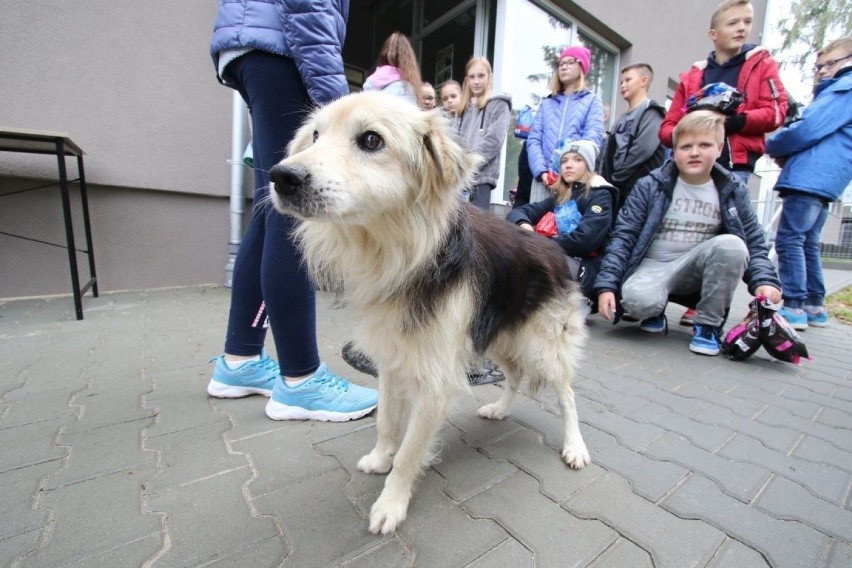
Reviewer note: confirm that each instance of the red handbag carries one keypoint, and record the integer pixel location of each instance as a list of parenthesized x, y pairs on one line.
[(546, 225)]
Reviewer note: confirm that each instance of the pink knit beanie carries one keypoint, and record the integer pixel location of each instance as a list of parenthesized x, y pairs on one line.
[(580, 53)]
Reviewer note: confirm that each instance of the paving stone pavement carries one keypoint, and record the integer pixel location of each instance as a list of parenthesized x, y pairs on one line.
[(112, 454)]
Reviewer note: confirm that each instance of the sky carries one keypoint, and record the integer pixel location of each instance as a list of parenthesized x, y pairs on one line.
[(797, 82)]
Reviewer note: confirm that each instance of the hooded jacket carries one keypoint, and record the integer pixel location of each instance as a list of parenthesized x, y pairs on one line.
[(388, 80), (311, 33), (764, 107), (483, 131), (597, 209), (818, 147), (643, 212), (578, 116)]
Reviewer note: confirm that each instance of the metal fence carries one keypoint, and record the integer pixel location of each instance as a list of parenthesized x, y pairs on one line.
[(836, 241)]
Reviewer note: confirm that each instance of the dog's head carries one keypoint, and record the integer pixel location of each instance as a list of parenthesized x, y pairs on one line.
[(367, 154)]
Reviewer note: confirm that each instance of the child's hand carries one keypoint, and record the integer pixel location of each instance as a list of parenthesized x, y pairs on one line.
[(550, 178)]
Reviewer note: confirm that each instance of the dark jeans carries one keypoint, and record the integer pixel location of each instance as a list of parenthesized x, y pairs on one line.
[(480, 195), (269, 276), (525, 178), (797, 245)]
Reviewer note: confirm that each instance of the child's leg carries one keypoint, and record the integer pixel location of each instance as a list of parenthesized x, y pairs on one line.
[(279, 102), (813, 261), (646, 293), (797, 245), (714, 268)]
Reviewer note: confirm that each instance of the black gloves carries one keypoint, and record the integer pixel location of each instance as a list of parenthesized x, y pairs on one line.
[(735, 123)]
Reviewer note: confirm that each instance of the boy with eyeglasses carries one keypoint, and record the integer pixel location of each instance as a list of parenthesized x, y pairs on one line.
[(816, 153)]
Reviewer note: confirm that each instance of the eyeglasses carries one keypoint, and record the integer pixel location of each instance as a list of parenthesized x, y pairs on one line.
[(830, 63), (568, 62)]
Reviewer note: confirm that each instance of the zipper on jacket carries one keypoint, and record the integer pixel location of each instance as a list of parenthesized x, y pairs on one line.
[(775, 96), (562, 120)]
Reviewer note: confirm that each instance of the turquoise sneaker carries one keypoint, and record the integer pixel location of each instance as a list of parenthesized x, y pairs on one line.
[(252, 377), (797, 320), (819, 319), (324, 396), (705, 339)]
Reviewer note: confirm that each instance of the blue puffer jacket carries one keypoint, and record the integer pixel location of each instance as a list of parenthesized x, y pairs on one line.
[(310, 32), (819, 146), (578, 116), (643, 212)]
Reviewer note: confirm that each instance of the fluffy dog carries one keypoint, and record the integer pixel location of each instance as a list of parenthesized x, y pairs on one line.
[(433, 283)]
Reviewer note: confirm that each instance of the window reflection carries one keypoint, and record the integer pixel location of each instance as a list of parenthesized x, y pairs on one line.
[(536, 48), (601, 78), (538, 38)]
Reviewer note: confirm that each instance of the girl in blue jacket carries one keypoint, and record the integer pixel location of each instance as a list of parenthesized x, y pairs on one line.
[(570, 112), (283, 57)]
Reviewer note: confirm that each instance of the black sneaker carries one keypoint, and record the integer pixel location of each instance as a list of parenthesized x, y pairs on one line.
[(486, 375), (358, 360)]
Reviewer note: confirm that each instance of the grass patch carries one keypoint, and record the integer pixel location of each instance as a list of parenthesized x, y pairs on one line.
[(839, 306)]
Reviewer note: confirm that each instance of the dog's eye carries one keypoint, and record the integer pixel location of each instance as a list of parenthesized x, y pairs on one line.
[(316, 135), (370, 141)]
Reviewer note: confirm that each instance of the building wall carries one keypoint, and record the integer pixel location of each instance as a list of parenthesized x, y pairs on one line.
[(132, 84), (142, 239)]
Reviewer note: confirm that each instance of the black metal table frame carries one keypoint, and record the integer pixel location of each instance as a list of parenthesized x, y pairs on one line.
[(60, 145)]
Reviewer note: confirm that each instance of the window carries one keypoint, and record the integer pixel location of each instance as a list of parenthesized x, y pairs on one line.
[(602, 68), (535, 35)]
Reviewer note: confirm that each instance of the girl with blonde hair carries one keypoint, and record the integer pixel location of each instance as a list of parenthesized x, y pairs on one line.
[(484, 118), (583, 204)]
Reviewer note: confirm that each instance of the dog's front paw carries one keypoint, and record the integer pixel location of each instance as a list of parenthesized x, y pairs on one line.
[(387, 514), (576, 456), (375, 462), (492, 411)]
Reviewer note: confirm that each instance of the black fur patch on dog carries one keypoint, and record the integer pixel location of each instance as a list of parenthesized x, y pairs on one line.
[(517, 271), (514, 273), (452, 262)]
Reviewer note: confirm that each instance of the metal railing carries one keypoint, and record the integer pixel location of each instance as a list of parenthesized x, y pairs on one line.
[(836, 241)]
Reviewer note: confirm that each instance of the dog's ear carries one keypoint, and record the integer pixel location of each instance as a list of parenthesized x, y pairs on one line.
[(446, 164)]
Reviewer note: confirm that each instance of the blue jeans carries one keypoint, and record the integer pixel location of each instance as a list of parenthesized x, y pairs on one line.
[(797, 245)]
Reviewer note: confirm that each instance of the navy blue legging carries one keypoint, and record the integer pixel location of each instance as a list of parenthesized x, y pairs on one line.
[(269, 276)]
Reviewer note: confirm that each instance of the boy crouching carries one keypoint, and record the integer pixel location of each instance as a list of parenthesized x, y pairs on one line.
[(688, 233)]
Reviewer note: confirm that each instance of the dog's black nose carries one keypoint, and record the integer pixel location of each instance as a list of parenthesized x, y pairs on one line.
[(288, 179)]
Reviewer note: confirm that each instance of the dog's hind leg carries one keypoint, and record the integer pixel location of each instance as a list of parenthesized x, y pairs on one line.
[(427, 415), (389, 415), (574, 450), (498, 410)]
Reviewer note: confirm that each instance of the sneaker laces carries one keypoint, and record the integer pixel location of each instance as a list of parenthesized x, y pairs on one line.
[(329, 381), (707, 332), (267, 363)]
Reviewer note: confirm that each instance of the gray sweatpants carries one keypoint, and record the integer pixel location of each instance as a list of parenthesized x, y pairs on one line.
[(713, 268)]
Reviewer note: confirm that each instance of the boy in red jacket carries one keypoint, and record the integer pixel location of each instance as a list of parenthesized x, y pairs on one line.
[(752, 71)]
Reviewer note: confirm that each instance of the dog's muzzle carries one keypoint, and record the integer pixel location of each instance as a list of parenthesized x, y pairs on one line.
[(287, 180)]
